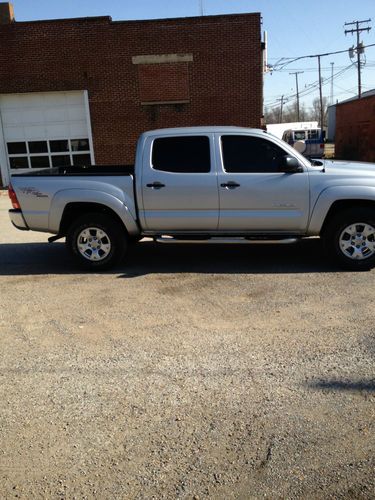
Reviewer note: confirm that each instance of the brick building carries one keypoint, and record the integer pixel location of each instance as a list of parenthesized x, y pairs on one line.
[(79, 90), (355, 128)]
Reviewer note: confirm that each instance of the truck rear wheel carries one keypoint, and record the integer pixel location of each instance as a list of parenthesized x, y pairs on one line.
[(96, 241), (350, 238)]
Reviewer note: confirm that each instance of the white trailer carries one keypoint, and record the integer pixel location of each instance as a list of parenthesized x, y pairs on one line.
[(278, 129)]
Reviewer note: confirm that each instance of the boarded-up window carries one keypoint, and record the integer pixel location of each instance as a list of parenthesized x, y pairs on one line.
[(164, 83)]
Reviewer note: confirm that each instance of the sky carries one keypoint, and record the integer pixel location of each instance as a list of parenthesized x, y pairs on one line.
[(295, 28)]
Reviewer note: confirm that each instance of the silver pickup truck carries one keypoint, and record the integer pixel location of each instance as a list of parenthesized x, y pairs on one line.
[(202, 184)]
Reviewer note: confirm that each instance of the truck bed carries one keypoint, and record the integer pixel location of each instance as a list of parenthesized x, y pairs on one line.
[(107, 170)]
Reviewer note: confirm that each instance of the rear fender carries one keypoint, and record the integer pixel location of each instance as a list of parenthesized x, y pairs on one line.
[(66, 196)]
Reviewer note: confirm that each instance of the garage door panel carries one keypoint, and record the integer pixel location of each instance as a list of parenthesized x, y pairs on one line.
[(75, 113), (56, 114), (11, 117), (58, 98), (12, 134), (74, 98), (32, 115), (34, 132), (10, 101), (78, 130), (31, 100), (57, 130)]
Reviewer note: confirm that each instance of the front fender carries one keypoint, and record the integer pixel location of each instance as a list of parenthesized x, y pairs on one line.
[(329, 196), (62, 198)]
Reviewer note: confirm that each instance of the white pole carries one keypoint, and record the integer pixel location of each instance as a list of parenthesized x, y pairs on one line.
[(4, 166)]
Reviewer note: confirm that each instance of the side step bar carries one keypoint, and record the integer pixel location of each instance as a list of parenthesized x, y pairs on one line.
[(227, 241)]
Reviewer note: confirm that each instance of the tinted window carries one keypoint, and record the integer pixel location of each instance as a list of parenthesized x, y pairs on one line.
[(57, 146), (15, 148), (19, 162), (81, 160), (38, 147), (244, 154), (61, 161), (182, 154), (39, 161), (80, 144)]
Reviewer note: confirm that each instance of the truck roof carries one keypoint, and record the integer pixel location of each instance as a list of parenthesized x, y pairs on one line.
[(200, 130)]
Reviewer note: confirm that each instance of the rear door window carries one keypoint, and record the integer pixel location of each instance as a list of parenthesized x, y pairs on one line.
[(313, 134), (182, 154), (299, 135)]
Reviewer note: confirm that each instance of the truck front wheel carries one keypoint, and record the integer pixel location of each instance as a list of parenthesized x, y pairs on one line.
[(96, 241), (350, 238)]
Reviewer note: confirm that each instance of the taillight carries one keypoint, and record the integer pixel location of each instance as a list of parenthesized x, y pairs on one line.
[(13, 197), (322, 146)]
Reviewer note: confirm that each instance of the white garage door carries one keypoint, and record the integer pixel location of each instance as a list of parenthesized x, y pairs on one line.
[(44, 130)]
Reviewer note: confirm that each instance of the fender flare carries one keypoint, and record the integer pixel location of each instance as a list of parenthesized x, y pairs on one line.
[(331, 195), (62, 198)]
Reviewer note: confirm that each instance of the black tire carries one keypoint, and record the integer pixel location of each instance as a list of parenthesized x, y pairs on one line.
[(133, 240), (339, 243), (110, 240)]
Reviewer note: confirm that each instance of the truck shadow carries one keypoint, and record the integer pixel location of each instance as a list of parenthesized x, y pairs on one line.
[(148, 257), (344, 385)]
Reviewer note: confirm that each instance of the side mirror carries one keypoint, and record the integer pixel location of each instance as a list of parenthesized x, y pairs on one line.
[(290, 165), (316, 163)]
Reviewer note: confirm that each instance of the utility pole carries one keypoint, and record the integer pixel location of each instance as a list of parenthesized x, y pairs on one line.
[(297, 73), (281, 99), (201, 7), (359, 49), (320, 94), (331, 96)]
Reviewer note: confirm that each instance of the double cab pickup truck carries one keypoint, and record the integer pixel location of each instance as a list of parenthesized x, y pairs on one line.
[(202, 184)]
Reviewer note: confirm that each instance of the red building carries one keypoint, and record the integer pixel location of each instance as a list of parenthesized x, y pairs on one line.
[(79, 90), (355, 128)]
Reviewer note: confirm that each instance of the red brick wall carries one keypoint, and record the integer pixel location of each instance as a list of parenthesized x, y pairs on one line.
[(224, 80), (355, 130)]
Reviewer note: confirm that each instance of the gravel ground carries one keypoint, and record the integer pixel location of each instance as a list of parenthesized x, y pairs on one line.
[(188, 372)]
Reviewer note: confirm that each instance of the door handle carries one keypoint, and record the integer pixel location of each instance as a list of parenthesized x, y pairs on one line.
[(230, 185), (155, 185)]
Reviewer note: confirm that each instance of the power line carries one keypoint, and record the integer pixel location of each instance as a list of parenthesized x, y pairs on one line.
[(283, 62), (291, 60), (312, 69), (310, 89)]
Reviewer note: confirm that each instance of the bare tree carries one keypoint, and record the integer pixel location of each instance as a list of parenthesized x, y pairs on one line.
[(290, 112), (315, 110), (271, 115)]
